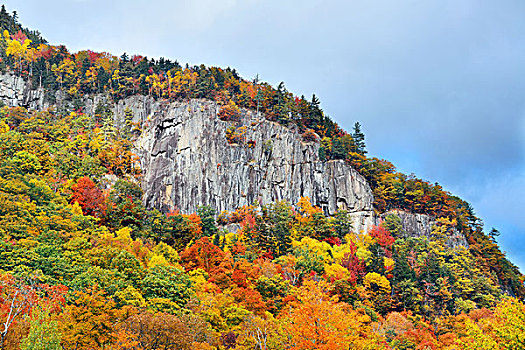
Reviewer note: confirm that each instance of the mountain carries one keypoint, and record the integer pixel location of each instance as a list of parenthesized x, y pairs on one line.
[(146, 204)]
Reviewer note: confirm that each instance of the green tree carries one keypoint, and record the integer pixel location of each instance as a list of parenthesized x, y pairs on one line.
[(43, 334), (359, 139), (167, 283), (272, 229), (128, 265), (393, 224), (342, 223), (207, 215)]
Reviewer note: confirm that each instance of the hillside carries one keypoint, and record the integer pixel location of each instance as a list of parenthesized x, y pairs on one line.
[(148, 205)]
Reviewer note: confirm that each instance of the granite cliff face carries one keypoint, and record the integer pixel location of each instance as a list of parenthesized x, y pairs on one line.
[(418, 225), (187, 161), (15, 91)]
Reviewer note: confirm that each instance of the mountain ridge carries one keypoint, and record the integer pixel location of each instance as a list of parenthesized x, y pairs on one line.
[(160, 116), (93, 260)]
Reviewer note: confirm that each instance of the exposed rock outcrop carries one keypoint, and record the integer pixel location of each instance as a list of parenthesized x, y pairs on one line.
[(187, 162), (15, 91), (419, 225), (414, 225)]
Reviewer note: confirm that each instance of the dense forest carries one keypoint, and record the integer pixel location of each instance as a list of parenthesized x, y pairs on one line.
[(84, 265)]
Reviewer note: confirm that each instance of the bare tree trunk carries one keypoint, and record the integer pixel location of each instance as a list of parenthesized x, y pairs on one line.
[(2, 347)]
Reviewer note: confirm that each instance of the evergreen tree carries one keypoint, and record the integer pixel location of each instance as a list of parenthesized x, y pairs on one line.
[(207, 215), (128, 121), (315, 115), (217, 239), (338, 149), (359, 139), (493, 234), (342, 223)]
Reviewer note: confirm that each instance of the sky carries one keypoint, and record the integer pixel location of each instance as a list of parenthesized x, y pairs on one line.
[(438, 86)]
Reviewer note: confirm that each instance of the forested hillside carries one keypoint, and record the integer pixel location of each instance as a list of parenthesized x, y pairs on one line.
[(84, 264)]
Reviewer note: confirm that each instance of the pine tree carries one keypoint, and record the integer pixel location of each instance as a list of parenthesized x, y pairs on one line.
[(359, 139), (493, 234), (207, 215)]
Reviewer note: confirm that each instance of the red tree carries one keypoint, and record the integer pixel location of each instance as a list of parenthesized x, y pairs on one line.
[(88, 196), (202, 254), (383, 237), (353, 264)]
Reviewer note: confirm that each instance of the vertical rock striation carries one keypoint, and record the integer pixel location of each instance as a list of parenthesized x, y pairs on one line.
[(15, 91), (187, 162)]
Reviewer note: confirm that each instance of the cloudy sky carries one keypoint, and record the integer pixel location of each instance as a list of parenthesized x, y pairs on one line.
[(439, 86)]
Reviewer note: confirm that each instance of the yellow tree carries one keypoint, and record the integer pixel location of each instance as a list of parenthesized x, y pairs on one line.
[(91, 78), (260, 333), (510, 323), (475, 336), (157, 84), (88, 322), (20, 50), (66, 73), (317, 321), (502, 329)]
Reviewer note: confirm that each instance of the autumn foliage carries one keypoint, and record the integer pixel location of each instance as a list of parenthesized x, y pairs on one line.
[(88, 196), (84, 264)]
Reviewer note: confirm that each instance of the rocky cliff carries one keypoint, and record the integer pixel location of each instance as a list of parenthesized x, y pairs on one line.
[(15, 91), (187, 160), (418, 225)]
